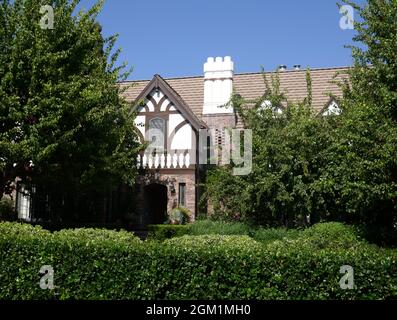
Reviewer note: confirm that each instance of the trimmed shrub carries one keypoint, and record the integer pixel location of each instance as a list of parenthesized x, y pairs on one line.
[(331, 235), (23, 251), (219, 227), (265, 236), (90, 235), (102, 266), (161, 232), (216, 241)]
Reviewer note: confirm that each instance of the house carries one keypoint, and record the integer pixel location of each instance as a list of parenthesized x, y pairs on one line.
[(173, 113), (180, 118)]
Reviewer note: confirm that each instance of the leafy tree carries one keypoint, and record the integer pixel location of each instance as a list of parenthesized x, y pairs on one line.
[(64, 125), (361, 174), (332, 168), (374, 76), (288, 157), (13, 147)]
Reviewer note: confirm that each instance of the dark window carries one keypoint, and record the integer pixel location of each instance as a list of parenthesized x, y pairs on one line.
[(182, 194)]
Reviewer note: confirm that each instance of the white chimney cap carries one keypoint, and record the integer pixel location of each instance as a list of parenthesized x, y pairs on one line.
[(219, 67)]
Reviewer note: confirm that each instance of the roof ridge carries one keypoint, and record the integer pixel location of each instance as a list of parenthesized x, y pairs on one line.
[(171, 78), (244, 73), (292, 70)]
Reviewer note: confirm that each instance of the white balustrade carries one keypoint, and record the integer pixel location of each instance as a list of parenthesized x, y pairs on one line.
[(181, 158), (175, 161), (156, 161), (169, 161), (164, 161), (150, 161)]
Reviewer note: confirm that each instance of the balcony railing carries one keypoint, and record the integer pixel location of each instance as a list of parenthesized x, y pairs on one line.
[(164, 161)]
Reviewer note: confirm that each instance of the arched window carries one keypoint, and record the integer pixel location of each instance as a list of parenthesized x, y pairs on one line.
[(156, 134)]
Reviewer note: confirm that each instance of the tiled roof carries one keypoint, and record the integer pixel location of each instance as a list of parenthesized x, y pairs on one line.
[(251, 86)]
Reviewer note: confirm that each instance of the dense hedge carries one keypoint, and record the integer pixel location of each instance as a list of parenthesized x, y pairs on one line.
[(264, 235), (92, 264), (268, 235), (203, 227), (162, 232)]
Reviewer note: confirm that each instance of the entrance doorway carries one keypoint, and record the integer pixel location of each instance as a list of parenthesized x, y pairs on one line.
[(156, 199)]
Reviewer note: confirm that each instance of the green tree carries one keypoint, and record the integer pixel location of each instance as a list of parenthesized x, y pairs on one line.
[(289, 141), (374, 76), (331, 168), (63, 122), (361, 174)]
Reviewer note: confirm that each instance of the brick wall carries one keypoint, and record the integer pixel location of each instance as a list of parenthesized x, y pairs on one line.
[(220, 121), (170, 179)]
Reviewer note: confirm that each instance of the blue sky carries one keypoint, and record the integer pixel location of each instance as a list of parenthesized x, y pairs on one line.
[(174, 37)]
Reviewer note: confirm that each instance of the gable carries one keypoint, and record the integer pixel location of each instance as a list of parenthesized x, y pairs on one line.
[(159, 96), (163, 120), (156, 101)]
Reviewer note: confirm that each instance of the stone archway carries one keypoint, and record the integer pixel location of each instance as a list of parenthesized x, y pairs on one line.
[(155, 203)]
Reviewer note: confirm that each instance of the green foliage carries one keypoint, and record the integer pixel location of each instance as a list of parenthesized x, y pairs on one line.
[(331, 235), (360, 177), (60, 105), (7, 211), (288, 158), (332, 232), (91, 236), (98, 264), (318, 236), (161, 232), (230, 242), (208, 227), (308, 168), (374, 77), (268, 235)]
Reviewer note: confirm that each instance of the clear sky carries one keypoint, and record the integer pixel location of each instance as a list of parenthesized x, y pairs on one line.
[(174, 37)]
